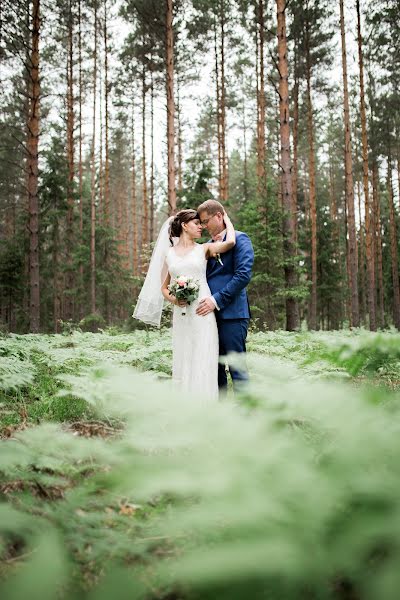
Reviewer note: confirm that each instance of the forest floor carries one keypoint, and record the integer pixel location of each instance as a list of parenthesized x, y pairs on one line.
[(33, 368), (67, 421)]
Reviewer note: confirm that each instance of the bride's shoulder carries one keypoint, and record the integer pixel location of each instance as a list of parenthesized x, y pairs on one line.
[(168, 254)]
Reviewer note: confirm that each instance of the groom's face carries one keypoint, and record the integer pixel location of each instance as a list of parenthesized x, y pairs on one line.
[(213, 223)]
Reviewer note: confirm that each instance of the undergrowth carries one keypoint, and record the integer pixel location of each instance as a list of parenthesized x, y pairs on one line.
[(113, 485)]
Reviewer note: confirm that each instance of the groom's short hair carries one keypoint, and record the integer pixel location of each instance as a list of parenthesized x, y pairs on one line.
[(211, 206)]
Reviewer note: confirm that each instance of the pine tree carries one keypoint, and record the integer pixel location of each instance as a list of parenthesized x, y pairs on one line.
[(32, 144), (169, 53), (93, 173), (289, 241), (70, 234), (368, 227)]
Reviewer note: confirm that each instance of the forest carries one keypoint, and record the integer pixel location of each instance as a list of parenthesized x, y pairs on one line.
[(116, 114), (114, 483)]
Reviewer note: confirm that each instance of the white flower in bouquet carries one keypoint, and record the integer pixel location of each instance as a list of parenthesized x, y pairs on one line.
[(184, 288)]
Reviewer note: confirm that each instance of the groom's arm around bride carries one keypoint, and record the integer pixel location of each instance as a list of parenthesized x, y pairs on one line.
[(227, 280)]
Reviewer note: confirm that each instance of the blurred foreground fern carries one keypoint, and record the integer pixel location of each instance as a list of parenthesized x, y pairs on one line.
[(297, 497)]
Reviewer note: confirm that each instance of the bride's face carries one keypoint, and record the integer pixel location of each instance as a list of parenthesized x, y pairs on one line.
[(193, 228)]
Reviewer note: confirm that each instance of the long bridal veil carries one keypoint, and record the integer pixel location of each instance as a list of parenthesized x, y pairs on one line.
[(151, 301)]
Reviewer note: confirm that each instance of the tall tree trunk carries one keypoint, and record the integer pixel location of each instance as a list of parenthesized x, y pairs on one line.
[(218, 101), (295, 151), (398, 166), (348, 270), (289, 239), (145, 208), (170, 107), (361, 259), (353, 262), (100, 206), (393, 247), (106, 172), (312, 190), (332, 188), (224, 159), (179, 136), (278, 157), (33, 170), (376, 211), (368, 229), (80, 166), (151, 157), (133, 195), (106, 124), (93, 177), (261, 171), (245, 158), (56, 276), (69, 275)]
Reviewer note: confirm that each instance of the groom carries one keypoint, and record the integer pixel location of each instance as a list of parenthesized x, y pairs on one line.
[(227, 282)]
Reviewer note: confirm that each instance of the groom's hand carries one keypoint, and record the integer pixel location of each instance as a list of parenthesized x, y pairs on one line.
[(206, 305)]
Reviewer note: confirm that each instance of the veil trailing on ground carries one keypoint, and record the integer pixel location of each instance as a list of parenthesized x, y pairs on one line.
[(151, 301)]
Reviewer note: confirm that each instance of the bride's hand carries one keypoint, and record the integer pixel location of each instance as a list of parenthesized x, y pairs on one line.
[(180, 303)]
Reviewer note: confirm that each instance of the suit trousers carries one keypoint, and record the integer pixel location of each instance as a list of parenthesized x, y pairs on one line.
[(232, 335)]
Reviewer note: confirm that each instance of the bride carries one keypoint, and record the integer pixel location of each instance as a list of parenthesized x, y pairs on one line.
[(194, 337)]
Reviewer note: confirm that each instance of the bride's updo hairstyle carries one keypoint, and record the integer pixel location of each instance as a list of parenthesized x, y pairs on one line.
[(183, 216)]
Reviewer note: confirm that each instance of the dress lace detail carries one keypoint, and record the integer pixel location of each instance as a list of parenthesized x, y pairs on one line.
[(194, 338)]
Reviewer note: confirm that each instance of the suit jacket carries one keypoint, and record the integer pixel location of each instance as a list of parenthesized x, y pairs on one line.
[(228, 281)]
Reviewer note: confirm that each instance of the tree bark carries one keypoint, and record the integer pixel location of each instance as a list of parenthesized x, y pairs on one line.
[(170, 107), (80, 166), (312, 190), (289, 236), (145, 217), (33, 170), (133, 196), (56, 276), (332, 188), (295, 153), (106, 124), (261, 171), (245, 157), (218, 101), (393, 247), (93, 176), (152, 157), (376, 211), (369, 250), (353, 259), (179, 136), (69, 275), (100, 206), (361, 260), (105, 169), (348, 270), (224, 161)]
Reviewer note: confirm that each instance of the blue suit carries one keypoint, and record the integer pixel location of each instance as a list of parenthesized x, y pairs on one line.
[(227, 283)]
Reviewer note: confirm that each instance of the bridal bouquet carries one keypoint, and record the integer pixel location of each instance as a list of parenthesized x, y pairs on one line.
[(184, 288)]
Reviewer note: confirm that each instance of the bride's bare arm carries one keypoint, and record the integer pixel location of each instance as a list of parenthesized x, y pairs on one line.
[(167, 295), (165, 291), (220, 247)]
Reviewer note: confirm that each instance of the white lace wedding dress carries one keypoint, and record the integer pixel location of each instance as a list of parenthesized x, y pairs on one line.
[(194, 338)]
